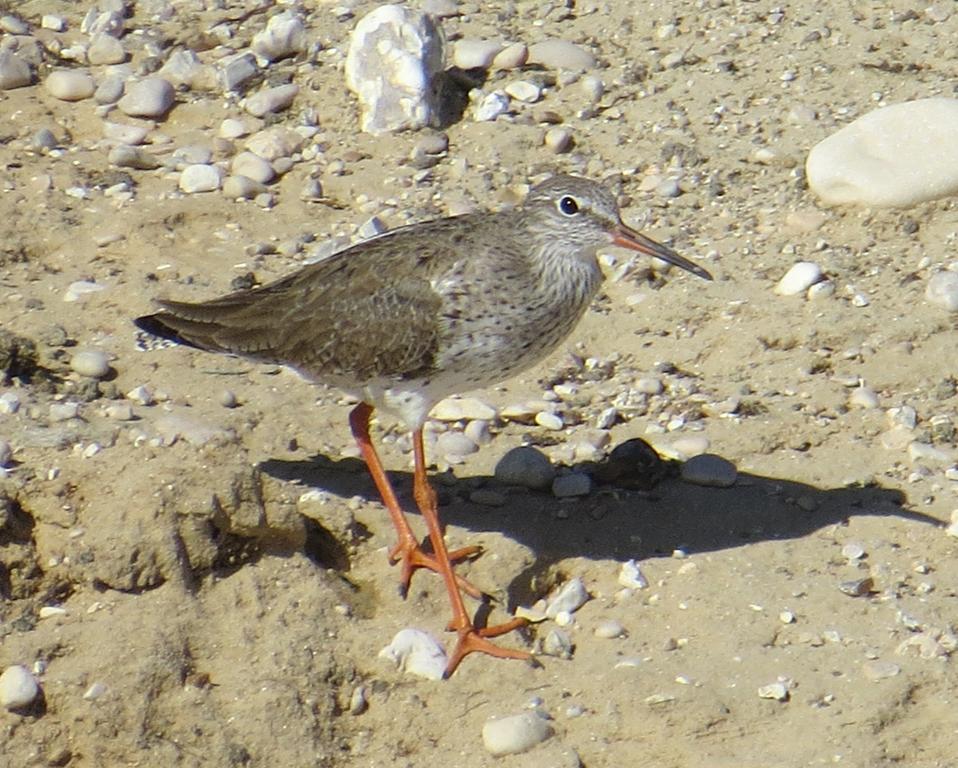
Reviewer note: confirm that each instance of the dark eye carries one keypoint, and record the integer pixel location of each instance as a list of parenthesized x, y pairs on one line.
[(568, 205)]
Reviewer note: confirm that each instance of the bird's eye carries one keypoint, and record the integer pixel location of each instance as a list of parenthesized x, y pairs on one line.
[(568, 205)]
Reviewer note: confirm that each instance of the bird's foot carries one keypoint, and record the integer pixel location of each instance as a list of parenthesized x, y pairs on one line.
[(473, 640), (412, 558)]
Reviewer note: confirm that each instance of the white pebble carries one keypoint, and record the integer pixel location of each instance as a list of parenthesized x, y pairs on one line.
[(630, 576), (515, 733), (120, 412), (416, 652), (895, 156), (593, 87), (491, 106), (271, 100), (53, 22), (241, 188), (462, 409), (52, 611), (142, 395), (95, 690), (18, 688), (853, 551), (572, 484), (687, 446), (231, 128), (649, 386), (151, 97), (569, 598), (9, 402), (69, 85), (284, 36), (560, 54), (478, 431), (799, 278), (776, 691), (822, 290), (942, 290), (610, 629), (201, 178), (549, 420), (93, 363), (395, 53), (523, 90), (525, 466), (864, 397), (709, 469)]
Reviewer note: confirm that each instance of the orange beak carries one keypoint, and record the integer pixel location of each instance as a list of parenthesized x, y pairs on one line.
[(626, 237)]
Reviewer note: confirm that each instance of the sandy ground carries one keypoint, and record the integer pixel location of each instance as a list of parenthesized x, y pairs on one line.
[(228, 629)]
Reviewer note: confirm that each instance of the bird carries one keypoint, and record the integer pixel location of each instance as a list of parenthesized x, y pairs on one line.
[(419, 313)]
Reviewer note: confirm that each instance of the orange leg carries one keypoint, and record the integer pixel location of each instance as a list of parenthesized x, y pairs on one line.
[(470, 639), (407, 549)]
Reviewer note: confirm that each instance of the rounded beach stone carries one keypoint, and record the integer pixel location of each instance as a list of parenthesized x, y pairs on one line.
[(69, 85), (18, 688), (709, 469), (151, 97), (93, 363), (525, 466), (515, 733), (894, 157)]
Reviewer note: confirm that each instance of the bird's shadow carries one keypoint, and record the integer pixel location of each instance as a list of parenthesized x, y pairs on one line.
[(620, 524)]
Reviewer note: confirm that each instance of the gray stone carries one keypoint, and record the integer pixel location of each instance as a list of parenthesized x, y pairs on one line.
[(284, 36), (18, 688), (271, 100), (69, 85), (709, 469), (560, 54), (151, 97), (527, 467), (14, 72)]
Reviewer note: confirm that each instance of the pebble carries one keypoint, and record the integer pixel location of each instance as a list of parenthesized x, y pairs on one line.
[(561, 54), (270, 100), (475, 54), (241, 188), (228, 399), (776, 691), (236, 71), (104, 50), (77, 290), (559, 140), (69, 84), (864, 397), (93, 363), (120, 412), (527, 467), (18, 687), (151, 97), (125, 156), (710, 470), (942, 290), (9, 402), (511, 57), (142, 395), (455, 445), (874, 669), (610, 629), (201, 178), (125, 134), (63, 411), (94, 691), (463, 409), (853, 551), (53, 22), (558, 643), (14, 25), (568, 598), (6, 454), (14, 72), (253, 167), (928, 453), (525, 91), (395, 54), (491, 106), (893, 157), (231, 128), (513, 734), (572, 484), (799, 278), (857, 587), (549, 420), (687, 446), (110, 90), (478, 431), (630, 576), (284, 36), (416, 652)]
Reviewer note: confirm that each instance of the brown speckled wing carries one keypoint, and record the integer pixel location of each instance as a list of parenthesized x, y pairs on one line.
[(367, 312)]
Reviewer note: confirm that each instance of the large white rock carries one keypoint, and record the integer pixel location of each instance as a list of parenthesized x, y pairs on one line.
[(894, 157), (394, 55), (515, 733)]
